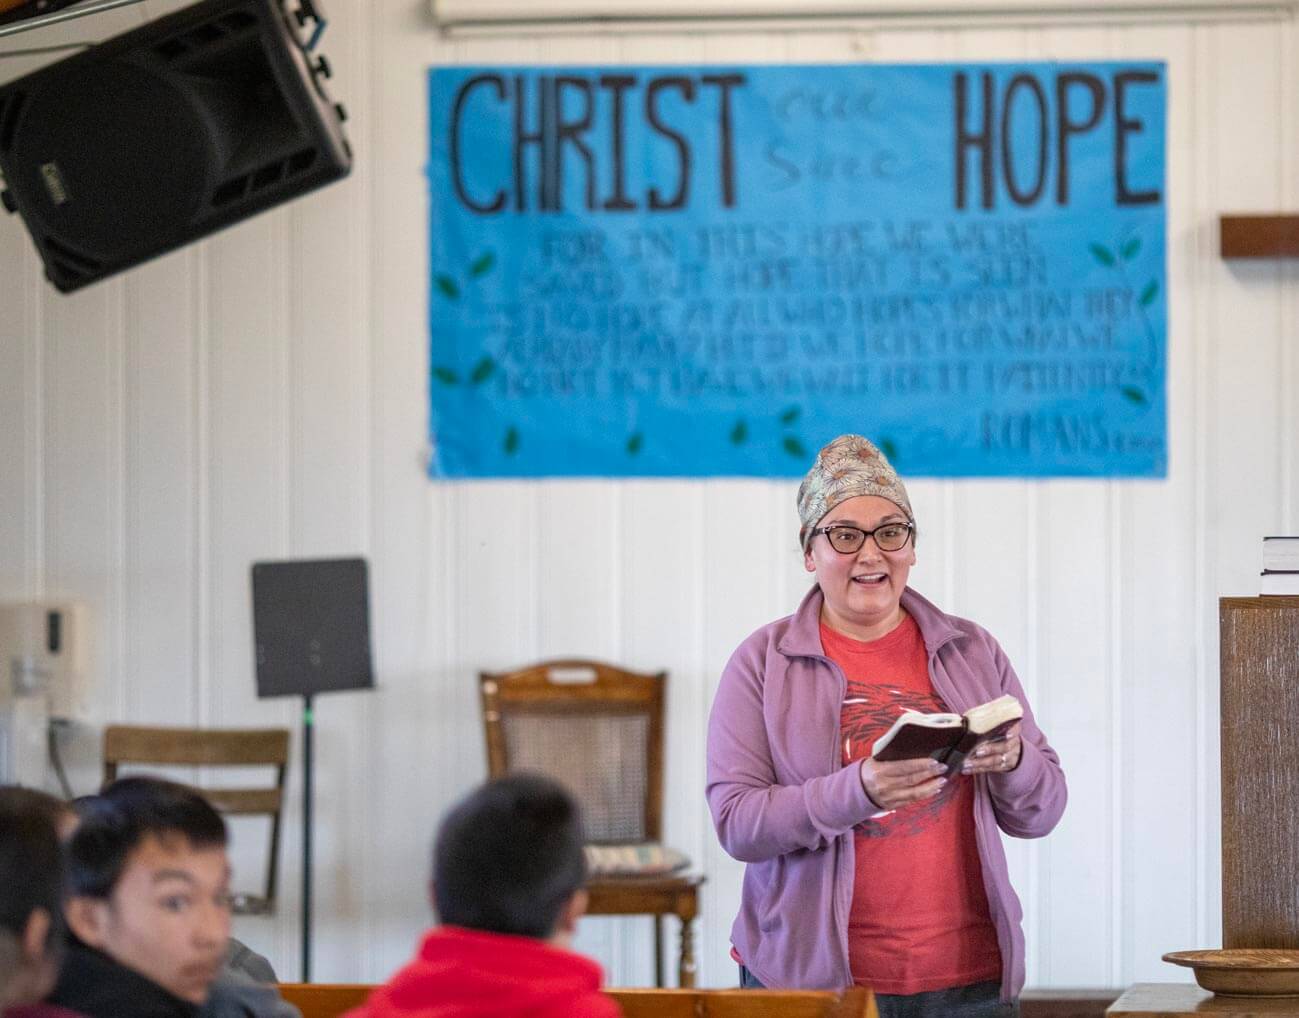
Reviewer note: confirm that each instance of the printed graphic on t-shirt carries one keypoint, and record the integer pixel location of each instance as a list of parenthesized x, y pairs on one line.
[(869, 710)]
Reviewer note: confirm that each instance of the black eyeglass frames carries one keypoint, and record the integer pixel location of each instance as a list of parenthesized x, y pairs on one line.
[(847, 539)]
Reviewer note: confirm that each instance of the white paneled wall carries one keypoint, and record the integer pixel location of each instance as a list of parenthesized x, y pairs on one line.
[(263, 394)]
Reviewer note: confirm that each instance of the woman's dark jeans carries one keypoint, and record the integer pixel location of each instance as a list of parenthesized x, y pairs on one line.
[(978, 1000)]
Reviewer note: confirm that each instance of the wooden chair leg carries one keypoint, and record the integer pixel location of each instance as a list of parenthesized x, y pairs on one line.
[(658, 951), (686, 974)]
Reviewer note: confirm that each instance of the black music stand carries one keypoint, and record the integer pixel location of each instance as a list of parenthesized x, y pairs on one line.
[(311, 628)]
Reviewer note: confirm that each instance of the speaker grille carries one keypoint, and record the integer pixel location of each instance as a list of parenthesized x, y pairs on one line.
[(265, 176), (108, 197), (204, 35)]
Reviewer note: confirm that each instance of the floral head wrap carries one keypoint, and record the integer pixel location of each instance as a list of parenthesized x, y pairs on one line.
[(847, 467)]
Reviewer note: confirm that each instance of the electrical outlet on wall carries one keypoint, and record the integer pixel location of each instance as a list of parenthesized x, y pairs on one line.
[(43, 650)]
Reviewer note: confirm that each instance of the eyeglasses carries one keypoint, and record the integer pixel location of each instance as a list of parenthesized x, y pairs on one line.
[(847, 539)]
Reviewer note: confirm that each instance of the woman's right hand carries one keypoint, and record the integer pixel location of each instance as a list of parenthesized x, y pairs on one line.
[(893, 783)]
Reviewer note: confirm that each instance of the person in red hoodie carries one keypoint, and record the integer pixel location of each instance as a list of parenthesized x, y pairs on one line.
[(508, 870)]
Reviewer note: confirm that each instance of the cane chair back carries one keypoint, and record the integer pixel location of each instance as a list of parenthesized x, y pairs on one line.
[(595, 728)]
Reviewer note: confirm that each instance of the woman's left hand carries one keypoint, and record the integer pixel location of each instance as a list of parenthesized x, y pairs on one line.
[(997, 756)]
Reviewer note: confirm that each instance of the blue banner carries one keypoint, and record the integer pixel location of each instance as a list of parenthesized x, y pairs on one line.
[(682, 271)]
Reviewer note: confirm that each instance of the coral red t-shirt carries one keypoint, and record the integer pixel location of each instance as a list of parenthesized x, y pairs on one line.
[(919, 917)]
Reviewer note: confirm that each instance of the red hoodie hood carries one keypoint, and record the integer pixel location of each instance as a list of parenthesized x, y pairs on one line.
[(461, 973)]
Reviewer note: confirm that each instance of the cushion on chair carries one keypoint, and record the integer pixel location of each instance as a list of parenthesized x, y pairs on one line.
[(645, 858)]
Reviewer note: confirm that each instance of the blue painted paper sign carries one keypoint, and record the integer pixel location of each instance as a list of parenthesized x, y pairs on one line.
[(677, 271)]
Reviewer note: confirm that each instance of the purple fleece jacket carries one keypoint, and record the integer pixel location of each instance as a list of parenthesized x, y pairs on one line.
[(783, 802)]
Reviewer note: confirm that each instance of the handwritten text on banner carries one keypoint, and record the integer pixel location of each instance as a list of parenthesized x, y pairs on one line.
[(677, 271)]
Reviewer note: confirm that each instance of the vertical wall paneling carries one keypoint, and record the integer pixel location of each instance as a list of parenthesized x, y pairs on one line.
[(197, 473), (359, 92), (665, 535), (247, 483), (661, 537), (415, 596), (1287, 133), (81, 363), (264, 394), (21, 395), (1161, 889), (739, 529), (327, 389), (751, 546), (1200, 332), (1246, 355), (1244, 358), (158, 397), (1290, 443), (1012, 42)]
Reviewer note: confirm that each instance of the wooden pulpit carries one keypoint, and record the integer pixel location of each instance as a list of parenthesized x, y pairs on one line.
[(1260, 770)]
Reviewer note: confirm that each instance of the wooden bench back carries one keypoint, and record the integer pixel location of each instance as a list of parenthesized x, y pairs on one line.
[(326, 1000), (854, 1003)]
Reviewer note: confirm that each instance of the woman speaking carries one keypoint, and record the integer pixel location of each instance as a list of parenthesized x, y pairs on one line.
[(885, 874)]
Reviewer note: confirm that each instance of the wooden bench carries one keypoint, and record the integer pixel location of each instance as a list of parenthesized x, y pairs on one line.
[(324, 1000), (854, 1003), (329, 1000)]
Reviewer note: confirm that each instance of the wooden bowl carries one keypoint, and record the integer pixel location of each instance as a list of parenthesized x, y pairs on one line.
[(1243, 971)]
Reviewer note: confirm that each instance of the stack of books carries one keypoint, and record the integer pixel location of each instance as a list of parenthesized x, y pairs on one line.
[(1280, 566)]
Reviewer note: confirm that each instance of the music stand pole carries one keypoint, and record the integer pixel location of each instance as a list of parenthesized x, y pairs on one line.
[(308, 725), (311, 628)]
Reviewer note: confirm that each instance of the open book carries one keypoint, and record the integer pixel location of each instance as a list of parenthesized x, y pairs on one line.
[(948, 738)]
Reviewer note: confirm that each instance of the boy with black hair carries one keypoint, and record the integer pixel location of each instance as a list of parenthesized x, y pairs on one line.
[(31, 901), (244, 988), (508, 869), (148, 905)]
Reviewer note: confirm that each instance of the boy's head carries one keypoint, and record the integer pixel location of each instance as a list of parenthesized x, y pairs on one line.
[(31, 895), (509, 859), (150, 883)]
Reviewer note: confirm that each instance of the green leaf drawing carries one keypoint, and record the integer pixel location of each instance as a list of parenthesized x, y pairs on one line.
[(634, 443), (1101, 253), (793, 446), (482, 264), (1134, 395), (448, 286), (511, 442), (1149, 294), (739, 433), (445, 375), (889, 448), (482, 370), (1130, 248), (790, 415)]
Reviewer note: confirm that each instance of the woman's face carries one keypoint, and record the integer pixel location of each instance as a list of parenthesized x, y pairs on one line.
[(862, 590)]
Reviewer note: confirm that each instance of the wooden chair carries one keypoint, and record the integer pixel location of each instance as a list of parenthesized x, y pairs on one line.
[(597, 729), (211, 747), (324, 1000), (854, 1003)]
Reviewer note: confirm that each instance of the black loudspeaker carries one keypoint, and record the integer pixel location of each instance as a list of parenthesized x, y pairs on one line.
[(167, 133)]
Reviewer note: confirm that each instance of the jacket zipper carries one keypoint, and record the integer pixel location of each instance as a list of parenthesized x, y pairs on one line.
[(1000, 925), (842, 901)]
